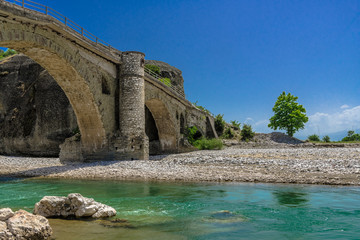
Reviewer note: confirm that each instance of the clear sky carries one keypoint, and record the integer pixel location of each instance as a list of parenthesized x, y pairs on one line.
[(238, 56)]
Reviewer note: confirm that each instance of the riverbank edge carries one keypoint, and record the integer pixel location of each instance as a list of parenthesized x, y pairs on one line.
[(338, 166)]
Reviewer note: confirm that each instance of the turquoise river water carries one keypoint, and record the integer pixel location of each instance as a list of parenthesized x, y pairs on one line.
[(199, 210)]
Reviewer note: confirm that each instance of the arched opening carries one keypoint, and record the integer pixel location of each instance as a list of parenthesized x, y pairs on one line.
[(35, 114), (164, 125), (182, 124), (152, 133), (70, 70)]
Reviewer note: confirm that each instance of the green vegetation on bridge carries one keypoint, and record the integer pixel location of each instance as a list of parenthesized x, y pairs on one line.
[(156, 70)]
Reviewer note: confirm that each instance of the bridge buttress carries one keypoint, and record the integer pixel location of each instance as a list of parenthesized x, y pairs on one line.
[(132, 142)]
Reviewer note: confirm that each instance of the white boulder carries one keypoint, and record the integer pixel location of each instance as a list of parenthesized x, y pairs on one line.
[(72, 205)]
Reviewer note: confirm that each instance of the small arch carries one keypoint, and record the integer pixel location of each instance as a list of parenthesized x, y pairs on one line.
[(105, 89), (182, 124), (152, 133), (164, 125), (198, 134)]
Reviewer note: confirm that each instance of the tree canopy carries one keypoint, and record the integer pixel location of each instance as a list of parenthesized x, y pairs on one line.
[(289, 115)]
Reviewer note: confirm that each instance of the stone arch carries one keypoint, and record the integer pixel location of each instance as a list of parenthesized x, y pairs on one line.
[(164, 124), (70, 70)]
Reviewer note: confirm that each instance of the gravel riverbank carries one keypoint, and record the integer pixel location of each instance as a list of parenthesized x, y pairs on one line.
[(340, 166)]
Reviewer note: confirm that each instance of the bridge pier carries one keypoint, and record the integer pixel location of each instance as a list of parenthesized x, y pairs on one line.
[(132, 142)]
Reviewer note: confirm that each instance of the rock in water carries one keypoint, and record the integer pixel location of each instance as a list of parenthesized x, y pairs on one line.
[(72, 205), (24, 225), (51, 206), (225, 216)]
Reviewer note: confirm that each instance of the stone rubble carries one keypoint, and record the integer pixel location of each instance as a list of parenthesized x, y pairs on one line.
[(23, 225), (72, 205), (276, 165)]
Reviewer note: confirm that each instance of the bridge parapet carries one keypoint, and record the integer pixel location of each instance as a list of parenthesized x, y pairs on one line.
[(65, 23), (159, 78)]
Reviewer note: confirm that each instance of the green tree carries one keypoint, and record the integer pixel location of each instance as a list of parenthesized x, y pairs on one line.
[(289, 115)]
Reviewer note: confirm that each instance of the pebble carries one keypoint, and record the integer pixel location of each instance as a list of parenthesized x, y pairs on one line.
[(340, 166)]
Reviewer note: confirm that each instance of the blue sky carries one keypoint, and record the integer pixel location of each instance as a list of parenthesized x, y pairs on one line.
[(238, 56)]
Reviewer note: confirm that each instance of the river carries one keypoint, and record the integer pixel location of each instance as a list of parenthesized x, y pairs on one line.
[(151, 210)]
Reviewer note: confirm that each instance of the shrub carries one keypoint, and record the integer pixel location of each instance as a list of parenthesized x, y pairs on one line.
[(228, 134), (314, 138), (326, 138), (153, 68), (166, 81), (235, 124), (208, 144), (219, 124), (193, 134), (247, 133)]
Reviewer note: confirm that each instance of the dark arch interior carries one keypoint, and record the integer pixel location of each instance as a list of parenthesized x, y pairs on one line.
[(152, 133), (35, 114), (182, 124), (198, 135)]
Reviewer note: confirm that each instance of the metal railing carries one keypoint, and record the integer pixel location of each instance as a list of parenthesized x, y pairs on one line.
[(61, 18), (159, 78)]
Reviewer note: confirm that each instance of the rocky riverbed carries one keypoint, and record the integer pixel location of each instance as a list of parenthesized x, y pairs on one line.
[(276, 165)]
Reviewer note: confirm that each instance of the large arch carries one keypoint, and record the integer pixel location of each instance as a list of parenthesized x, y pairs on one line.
[(69, 69), (165, 125), (35, 114)]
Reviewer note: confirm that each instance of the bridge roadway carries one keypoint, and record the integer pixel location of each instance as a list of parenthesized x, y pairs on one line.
[(108, 89)]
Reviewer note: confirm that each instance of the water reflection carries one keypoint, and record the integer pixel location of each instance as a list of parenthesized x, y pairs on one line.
[(291, 199)]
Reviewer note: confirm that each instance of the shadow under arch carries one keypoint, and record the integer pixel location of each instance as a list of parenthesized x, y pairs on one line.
[(67, 71), (164, 125), (35, 114)]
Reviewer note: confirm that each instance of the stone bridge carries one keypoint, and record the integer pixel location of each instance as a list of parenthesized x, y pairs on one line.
[(122, 112)]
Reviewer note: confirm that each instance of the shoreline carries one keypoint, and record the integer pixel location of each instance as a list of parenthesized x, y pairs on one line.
[(325, 166)]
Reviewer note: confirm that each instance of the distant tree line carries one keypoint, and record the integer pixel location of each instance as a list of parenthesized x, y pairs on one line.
[(351, 137)]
